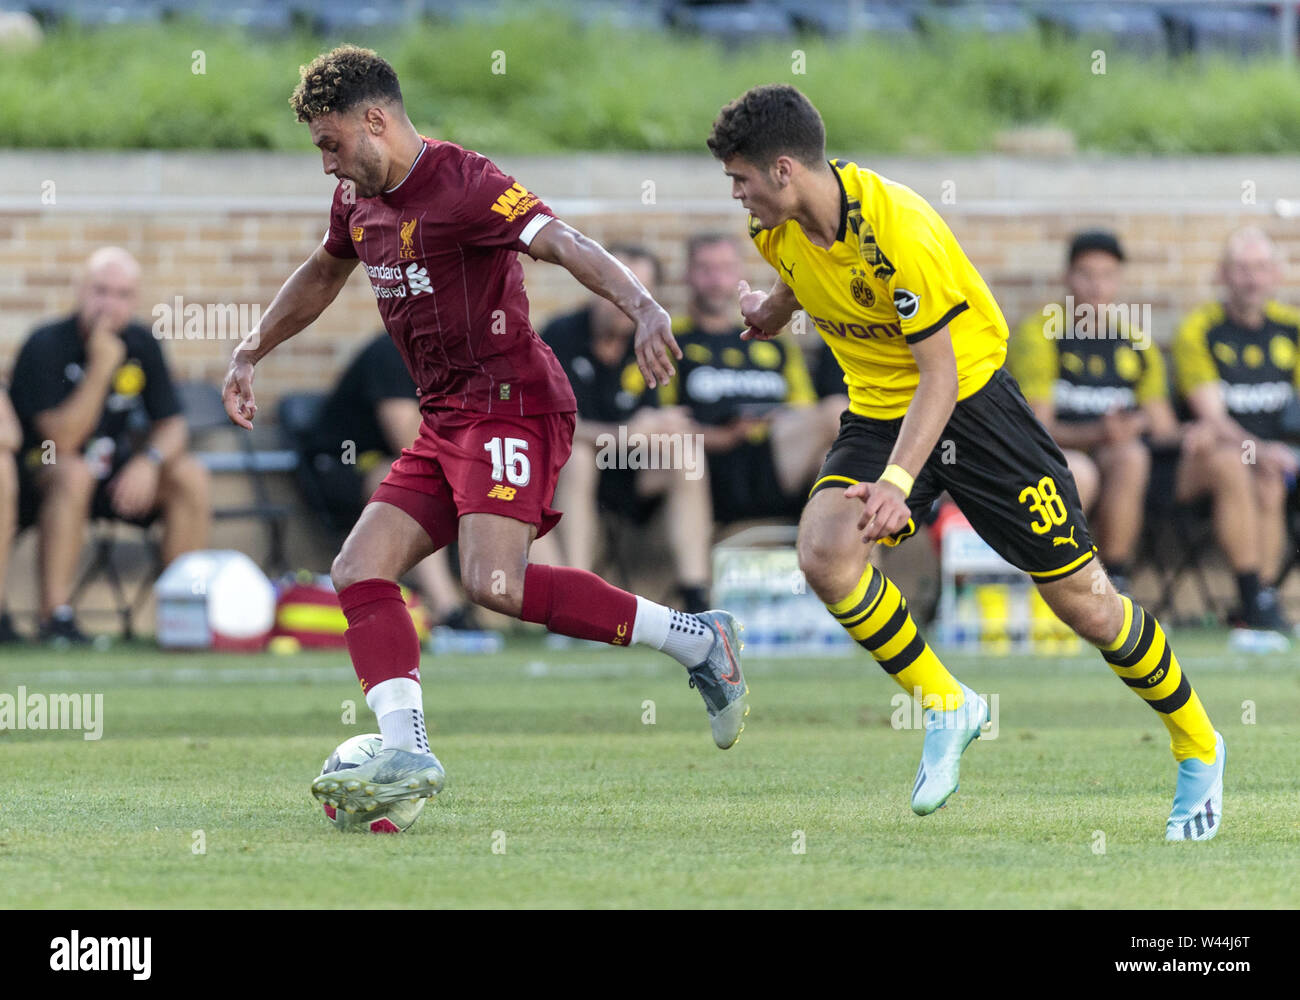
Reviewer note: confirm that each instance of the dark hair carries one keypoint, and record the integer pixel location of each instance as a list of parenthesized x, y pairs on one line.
[(766, 122), (342, 79), (631, 251), (1094, 239), (694, 243)]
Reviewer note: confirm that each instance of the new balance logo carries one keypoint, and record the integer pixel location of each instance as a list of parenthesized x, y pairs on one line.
[(418, 278), (501, 493)]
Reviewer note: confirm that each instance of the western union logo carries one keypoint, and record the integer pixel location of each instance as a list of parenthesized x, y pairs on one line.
[(514, 202), (501, 493)]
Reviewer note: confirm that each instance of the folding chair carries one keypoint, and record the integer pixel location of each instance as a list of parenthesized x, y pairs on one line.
[(102, 563), (206, 416)]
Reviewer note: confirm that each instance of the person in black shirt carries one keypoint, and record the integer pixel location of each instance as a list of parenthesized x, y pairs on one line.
[(764, 429), (11, 437), (828, 376), (373, 413), (1237, 363), (102, 435), (594, 346)]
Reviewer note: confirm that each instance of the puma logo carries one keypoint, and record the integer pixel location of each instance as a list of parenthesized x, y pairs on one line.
[(1069, 540), (788, 268)]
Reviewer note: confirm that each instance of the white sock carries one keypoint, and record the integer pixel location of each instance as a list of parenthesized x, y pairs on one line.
[(398, 703), (683, 637)]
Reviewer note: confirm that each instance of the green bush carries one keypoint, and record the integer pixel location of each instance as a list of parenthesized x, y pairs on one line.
[(567, 87)]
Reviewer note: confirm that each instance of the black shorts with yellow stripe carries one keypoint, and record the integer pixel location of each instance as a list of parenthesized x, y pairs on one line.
[(1000, 466)]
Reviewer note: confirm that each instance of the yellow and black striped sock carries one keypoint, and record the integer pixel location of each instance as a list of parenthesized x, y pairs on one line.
[(1144, 660), (876, 616)]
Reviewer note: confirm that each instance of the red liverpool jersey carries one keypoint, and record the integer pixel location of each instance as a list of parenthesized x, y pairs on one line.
[(442, 253)]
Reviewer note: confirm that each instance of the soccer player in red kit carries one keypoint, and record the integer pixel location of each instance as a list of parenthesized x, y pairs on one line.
[(438, 230)]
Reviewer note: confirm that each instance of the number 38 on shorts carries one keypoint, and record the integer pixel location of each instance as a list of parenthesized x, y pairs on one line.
[(1046, 504)]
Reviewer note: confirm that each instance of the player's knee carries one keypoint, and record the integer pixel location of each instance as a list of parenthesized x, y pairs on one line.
[(8, 478), (823, 565), (347, 570), (1134, 458), (493, 589), (69, 478), (1095, 617), (1270, 489), (188, 478)]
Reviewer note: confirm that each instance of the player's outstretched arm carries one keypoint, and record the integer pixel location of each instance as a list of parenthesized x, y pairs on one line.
[(884, 508), (604, 274), (298, 302), (766, 313)]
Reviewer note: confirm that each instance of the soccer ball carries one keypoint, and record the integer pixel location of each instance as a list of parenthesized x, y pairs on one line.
[(396, 818)]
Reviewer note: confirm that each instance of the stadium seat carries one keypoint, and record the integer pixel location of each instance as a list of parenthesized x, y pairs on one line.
[(328, 17), (273, 16), (733, 23), (981, 18), (1135, 27), (92, 14), (622, 15), (1201, 29), (839, 17), (206, 417)]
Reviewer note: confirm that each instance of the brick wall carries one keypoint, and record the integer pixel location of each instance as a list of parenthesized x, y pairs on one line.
[(230, 230), (217, 233)]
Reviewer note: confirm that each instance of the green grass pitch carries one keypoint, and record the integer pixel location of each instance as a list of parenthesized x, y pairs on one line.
[(560, 795)]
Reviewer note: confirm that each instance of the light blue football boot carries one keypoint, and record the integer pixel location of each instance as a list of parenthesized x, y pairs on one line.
[(719, 680), (1198, 798), (947, 735), (393, 775)]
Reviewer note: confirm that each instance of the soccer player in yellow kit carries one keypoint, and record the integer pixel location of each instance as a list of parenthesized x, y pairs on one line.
[(931, 408)]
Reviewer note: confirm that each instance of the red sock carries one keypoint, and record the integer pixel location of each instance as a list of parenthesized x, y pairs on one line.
[(381, 636), (577, 603)]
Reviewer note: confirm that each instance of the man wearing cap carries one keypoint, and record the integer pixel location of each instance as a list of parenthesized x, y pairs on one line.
[(1097, 383)]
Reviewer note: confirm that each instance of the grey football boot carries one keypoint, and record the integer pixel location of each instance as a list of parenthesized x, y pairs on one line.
[(391, 776), (719, 680)]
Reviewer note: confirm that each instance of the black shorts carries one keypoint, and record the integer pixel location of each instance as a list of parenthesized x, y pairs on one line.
[(743, 484), (101, 503), (616, 493), (335, 488), (1000, 466)]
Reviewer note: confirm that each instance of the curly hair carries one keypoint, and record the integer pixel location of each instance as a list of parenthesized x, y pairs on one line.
[(342, 79), (766, 122)]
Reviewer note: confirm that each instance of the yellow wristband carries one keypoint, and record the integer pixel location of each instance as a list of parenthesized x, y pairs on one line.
[(897, 475)]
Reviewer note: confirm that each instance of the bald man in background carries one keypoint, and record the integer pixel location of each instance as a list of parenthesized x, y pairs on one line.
[(1236, 363), (102, 436)]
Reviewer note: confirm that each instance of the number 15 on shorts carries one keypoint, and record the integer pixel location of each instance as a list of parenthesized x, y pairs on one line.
[(509, 461)]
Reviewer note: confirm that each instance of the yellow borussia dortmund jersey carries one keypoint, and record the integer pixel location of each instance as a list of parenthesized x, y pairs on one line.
[(894, 276), (1085, 377), (1259, 369)]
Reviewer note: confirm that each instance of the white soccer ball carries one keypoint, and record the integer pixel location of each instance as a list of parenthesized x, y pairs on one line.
[(396, 818)]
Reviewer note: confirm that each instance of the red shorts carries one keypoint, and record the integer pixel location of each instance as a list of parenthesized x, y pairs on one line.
[(480, 463)]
